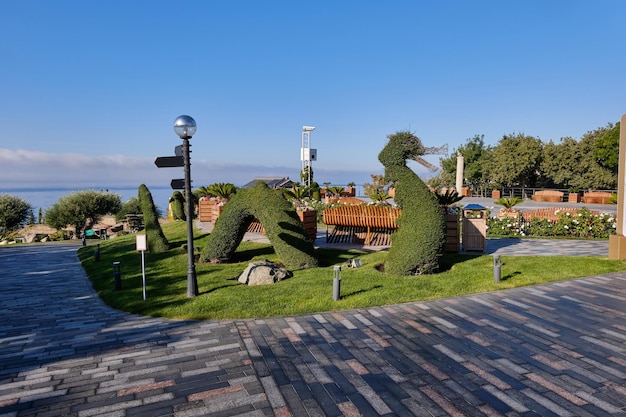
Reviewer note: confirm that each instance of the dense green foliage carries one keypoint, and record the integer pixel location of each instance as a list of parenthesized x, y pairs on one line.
[(277, 215), (474, 154), (605, 149), (309, 290), (520, 170), (177, 204), (418, 244), (519, 160), (14, 211), (223, 190), (378, 187), (584, 224), (81, 209), (508, 202), (155, 239), (131, 206)]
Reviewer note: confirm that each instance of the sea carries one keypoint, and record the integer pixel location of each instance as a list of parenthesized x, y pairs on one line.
[(46, 197)]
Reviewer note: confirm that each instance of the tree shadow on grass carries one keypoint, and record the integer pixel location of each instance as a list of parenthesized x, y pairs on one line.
[(362, 291), (329, 257), (448, 260), (249, 254)]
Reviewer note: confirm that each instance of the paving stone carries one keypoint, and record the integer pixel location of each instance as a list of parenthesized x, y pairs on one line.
[(554, 349)]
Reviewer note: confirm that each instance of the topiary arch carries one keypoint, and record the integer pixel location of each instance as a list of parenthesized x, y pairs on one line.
[(418, 244), (284, 230)]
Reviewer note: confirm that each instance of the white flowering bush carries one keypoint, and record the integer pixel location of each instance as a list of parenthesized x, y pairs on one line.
[(584, 225)]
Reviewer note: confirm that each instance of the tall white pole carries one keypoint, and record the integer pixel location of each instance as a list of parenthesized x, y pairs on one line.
[(459, 173)]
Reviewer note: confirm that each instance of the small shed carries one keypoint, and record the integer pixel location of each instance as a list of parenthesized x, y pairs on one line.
[(474, 227)]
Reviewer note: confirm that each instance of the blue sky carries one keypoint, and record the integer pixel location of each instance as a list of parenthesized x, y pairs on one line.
[(90, 89)]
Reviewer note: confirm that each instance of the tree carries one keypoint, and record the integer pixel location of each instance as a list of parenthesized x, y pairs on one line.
[(561, 163), (606, 150), (514, 161), (82, 209), (474, 155), (223, 190), (14, 212), (131, 206), (594, 175), (378, 186), (155, 238)]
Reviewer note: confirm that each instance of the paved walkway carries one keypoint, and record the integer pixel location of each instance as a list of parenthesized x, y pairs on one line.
[(549, 350)]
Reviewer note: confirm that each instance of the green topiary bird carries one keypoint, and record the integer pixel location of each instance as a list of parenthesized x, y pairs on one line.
[(418, 244)]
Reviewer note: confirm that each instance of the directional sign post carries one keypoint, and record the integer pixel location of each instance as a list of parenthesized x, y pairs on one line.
[(178, 184), (169, 161)]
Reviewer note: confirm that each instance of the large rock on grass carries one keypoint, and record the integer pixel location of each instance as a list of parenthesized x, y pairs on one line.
[(263, 273)]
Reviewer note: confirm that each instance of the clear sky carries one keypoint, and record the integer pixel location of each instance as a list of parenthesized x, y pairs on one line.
[(90, 89)]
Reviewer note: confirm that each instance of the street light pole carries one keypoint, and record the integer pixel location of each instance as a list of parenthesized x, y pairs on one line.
[(185, 127)]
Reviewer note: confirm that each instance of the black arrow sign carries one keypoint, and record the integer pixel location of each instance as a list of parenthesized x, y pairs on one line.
[(178, 184), (169, 161)]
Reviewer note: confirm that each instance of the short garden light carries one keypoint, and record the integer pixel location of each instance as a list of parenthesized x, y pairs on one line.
[(337, 283)]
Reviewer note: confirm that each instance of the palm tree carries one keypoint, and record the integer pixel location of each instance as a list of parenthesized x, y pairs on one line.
[(222, 190), (335, 190), (297, 195)]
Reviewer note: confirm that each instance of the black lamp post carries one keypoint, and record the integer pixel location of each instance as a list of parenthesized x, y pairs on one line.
[(185, 127)]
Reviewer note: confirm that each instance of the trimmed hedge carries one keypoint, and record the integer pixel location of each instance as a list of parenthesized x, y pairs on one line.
[(418, 244), (178, 206), (155, 239), (284, 230)]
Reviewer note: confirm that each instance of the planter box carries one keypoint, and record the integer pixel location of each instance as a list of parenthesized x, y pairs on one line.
[(505, 213), (205, 210), (309, 220), (495, 194), (573, 198)]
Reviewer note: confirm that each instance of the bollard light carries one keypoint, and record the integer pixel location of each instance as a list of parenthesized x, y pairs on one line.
[(117, 274), (185, 128), (337, 283), (96, 253), (497, 264)]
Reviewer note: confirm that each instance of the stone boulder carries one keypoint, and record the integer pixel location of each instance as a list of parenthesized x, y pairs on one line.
[(263, 273)]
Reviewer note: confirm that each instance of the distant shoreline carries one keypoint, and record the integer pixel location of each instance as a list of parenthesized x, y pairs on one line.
[(44, 197)]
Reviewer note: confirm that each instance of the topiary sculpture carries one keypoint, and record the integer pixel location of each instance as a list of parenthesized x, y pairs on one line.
[(155, 239), (177, 203), (284, 230), (418, 244)]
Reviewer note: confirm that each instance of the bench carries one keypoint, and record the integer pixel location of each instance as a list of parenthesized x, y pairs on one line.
[(552, 196), (370, 225), (597, 197), (550, 213)]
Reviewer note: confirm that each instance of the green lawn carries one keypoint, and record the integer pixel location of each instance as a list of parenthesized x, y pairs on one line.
[(308, 291)]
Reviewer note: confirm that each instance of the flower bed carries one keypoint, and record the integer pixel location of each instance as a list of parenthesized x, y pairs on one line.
[(582, 223)]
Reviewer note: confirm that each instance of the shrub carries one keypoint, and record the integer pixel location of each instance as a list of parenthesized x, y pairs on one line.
[(418, 244), (177, 202), (155, 239), (131, 206), (583, 224), (277, 215)]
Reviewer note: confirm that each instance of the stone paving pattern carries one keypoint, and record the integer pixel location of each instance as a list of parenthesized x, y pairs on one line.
[(549, 350)]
